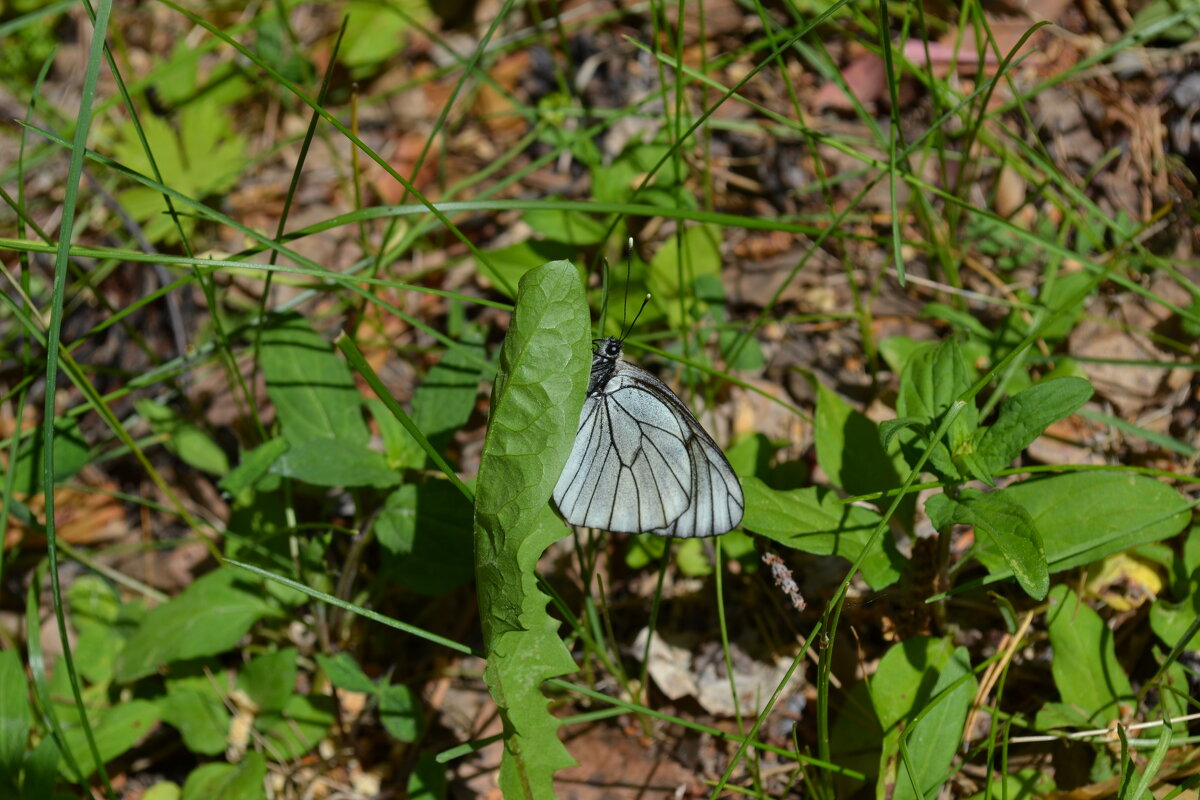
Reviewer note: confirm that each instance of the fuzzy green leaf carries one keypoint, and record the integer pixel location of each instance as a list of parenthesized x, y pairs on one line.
[(1025, 415), (1007, 526), (536, 399)]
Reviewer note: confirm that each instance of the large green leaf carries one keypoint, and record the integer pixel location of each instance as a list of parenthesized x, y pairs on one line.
[(70, 455), (425, 532), (312, 389), (1006, 525), (116, 729), (538, 392), (1084, 516), (270, 680), (335, 462), (208, 617), (1024, 416), (205, 157), (443, 402), (14, 717), (814, 521), (911, 676), (184, 438), (933, 378), (1089, 678), (850, 453), (242, 781)]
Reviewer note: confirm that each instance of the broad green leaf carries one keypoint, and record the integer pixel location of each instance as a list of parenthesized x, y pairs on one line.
[(297, 729), (643, 549), (95, 609), (204, 158), (1024, 416), (254, 465), (163, 790), (208, 617), (312, 389), (1170, 621), (335, 462), (425, 532), (70, 456), (116, 729), (1006, 525), (507, 265), (813, 521), (344, 673), (1085, 516), (184, 438), (856, 739), (674, 271), (933, 378), (692, 559), (569, 226), (428, 779), (14, 716), (850, 452), (445, 399), (912, 675), (1025, 784), (1089, 678), (270, 679), (376, 31), (400, 712), (41, 770), (897, 351), (244, 781), (536, 399), (200, 717)]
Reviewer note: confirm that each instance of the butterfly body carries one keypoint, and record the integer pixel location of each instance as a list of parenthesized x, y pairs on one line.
[(641, 461)]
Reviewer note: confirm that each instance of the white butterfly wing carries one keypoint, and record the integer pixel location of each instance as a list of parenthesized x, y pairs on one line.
[(641, 462), (717, 501), (628, 470)]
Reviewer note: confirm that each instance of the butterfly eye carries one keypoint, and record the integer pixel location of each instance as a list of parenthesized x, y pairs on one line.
[(612, 350)]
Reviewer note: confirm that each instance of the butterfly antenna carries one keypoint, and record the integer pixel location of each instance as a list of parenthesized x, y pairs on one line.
[(628, 274), (645, 300), (603, 295)]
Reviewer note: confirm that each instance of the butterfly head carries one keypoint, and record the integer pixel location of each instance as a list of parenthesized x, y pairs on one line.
[(608, 348)]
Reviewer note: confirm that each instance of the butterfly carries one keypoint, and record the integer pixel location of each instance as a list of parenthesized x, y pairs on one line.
[(641, 462)]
